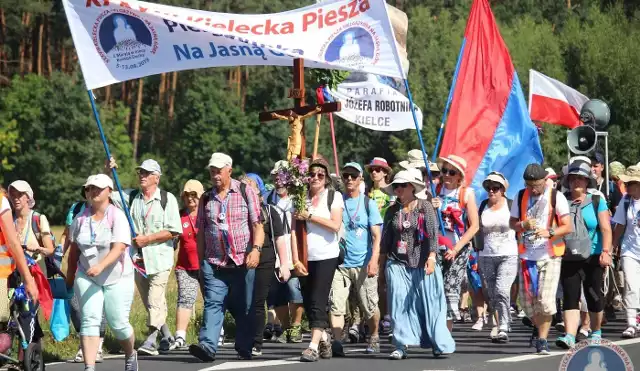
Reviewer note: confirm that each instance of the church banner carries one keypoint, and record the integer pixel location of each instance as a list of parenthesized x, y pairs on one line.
[(123, 40), (374, 102)]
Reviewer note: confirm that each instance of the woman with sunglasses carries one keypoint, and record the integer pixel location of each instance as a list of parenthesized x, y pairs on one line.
[(101, 271), (323, 219), (498, 253), (415, 288), (457, 204), (380, 174)]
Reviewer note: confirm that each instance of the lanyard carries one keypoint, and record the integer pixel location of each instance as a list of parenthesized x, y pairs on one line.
[(353, 218), (145, 213), (26, 229), (93, 233)]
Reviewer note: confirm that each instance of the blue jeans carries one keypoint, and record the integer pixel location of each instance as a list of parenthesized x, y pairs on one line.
[(236, 286)]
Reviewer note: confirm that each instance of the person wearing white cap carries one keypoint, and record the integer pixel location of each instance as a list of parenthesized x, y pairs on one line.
[(100, 271), (409, 255), (156, 218), (230, 239), (457, 204), (11, 259), (32, 227), (415, 160)]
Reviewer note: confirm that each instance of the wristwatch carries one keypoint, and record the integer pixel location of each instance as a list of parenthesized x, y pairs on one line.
[(256, 247), (552, 232)]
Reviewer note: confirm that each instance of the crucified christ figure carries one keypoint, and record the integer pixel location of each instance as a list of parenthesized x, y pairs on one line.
[(294, 144)]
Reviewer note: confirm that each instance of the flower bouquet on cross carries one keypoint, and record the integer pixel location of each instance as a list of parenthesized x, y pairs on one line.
[(294, 176)]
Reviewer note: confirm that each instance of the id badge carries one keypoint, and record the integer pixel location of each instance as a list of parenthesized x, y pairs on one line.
[(634, 222), (223, 227), (402, 247), (359, 232), (90, 252)]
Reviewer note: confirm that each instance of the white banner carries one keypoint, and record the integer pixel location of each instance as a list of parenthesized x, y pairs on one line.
[(374, 102), (122, 40)]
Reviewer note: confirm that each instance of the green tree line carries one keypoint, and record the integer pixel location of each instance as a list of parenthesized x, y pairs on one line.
[(49, 138)]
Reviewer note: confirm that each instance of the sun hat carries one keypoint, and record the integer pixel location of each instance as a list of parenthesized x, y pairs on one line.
[(219, 160), (100, 181), (279, 164), (151, 166), (582, 169), (193, 185), (616, 169), (456, 161), (378, 162), (406, 176), (24, 187), (496, 177), (320, 161), (632, 174), (416, 160), (580, 158)]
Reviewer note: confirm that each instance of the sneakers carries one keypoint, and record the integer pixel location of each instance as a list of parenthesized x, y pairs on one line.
[(501, 338), (309, 355), (560, 327), (99, 356), (282, 339), (324, 349), (354, 335), (465, 316), (478, 325), (148, 348), (256, 351), (494, 333), (521, 314), (336, 349), (166, 344), (277, 332), (180, 344), (566, 341), (542, 347), (629, 333), (374, 345), (268, 331), (595, 335), (201, 353), (398, 354), (79, 357), (131, 363), (583, 334), (295, 334)]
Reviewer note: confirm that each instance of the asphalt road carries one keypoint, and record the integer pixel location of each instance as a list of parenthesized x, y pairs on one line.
[(474, 352)]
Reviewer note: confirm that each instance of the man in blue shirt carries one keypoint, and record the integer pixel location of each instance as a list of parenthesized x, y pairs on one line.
[(361, 247)]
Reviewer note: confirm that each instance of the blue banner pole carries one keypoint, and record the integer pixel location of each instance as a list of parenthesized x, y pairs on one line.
[(113, 171), (446, 108)]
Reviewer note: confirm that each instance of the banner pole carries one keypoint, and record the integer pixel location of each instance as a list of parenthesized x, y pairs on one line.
[(448, 104), (113, 171), (335, 149)]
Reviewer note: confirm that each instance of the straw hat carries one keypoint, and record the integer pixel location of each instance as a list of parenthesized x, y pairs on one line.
[(632, 174), (407, 176), (416, 161), (496, 177), (456, 161)]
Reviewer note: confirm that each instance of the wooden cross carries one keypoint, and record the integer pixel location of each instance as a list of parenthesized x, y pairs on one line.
[(300, 112)]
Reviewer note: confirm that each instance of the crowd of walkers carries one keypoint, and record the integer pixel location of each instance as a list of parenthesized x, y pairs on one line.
[(399, 255)]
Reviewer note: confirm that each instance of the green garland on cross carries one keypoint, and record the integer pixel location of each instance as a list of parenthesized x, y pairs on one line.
[(328, 78)]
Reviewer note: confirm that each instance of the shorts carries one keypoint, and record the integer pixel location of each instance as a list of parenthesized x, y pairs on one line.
[(366, 290), (545, 300), (188, 287), (283, 293)]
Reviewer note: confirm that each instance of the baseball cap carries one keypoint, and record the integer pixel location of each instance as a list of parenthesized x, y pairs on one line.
[(24, 187), (100, 181), (353, 165), (151, 166), (219, 160), (534, 172), (597, 158)]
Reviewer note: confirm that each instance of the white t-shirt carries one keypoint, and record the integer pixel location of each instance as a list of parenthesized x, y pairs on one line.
[(285, 210), (499, 238), (4, 205), (323, 244), (538, 249), (111, 229), (631, 239), (448, 197)]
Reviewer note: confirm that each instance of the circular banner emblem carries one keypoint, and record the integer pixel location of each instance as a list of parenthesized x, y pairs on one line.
[(596, 355), (354, 45)]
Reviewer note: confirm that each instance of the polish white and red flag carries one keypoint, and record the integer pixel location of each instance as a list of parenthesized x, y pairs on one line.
[(553, 102)]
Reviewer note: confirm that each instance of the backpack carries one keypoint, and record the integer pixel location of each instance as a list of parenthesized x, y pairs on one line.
[(163, 198), (554, 195), (478, 239), (578, 242)]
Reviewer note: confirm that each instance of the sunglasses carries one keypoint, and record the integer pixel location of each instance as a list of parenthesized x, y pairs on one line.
[(400, 185), (348, 176), (317, 174), (190, 195), (377, 170), (449, 172), (493, 189), (144, 173)]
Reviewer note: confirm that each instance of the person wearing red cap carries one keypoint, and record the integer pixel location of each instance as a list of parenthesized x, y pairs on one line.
[(380, 174)]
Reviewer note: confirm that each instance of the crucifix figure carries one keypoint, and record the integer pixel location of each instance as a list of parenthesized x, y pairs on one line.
[(296, 116)]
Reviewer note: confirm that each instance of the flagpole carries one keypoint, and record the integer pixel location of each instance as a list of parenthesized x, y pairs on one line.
[(113, 170), (446, 108)]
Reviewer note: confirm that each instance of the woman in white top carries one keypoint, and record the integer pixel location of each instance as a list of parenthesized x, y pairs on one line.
[(457, 204), (101, 271), (498, 250), (323, 224), (627, 233)]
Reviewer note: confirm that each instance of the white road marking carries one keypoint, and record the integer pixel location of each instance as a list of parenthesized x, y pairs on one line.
[(527, 357), (252, 364)]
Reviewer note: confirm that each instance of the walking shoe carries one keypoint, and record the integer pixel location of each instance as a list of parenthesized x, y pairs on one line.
[(165, 345), (354, 335), (277, 332), (99, 356), (256, 351), (629, 333), (533, 340), (131, 363), (374, 345), (478, 325), (309, 355), (295, 334), (560, 327), (148, 348), (502, 337), (521, 314), (398, 354), (336, 349), (494, 333), (595, 335), (582, 335), (565, 341), (245, 356), (542, 347), (221, 340), (282, 339), (201, 353), (79, 357), (179, 344), (466, 316), (268, 331), (324, 349)]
